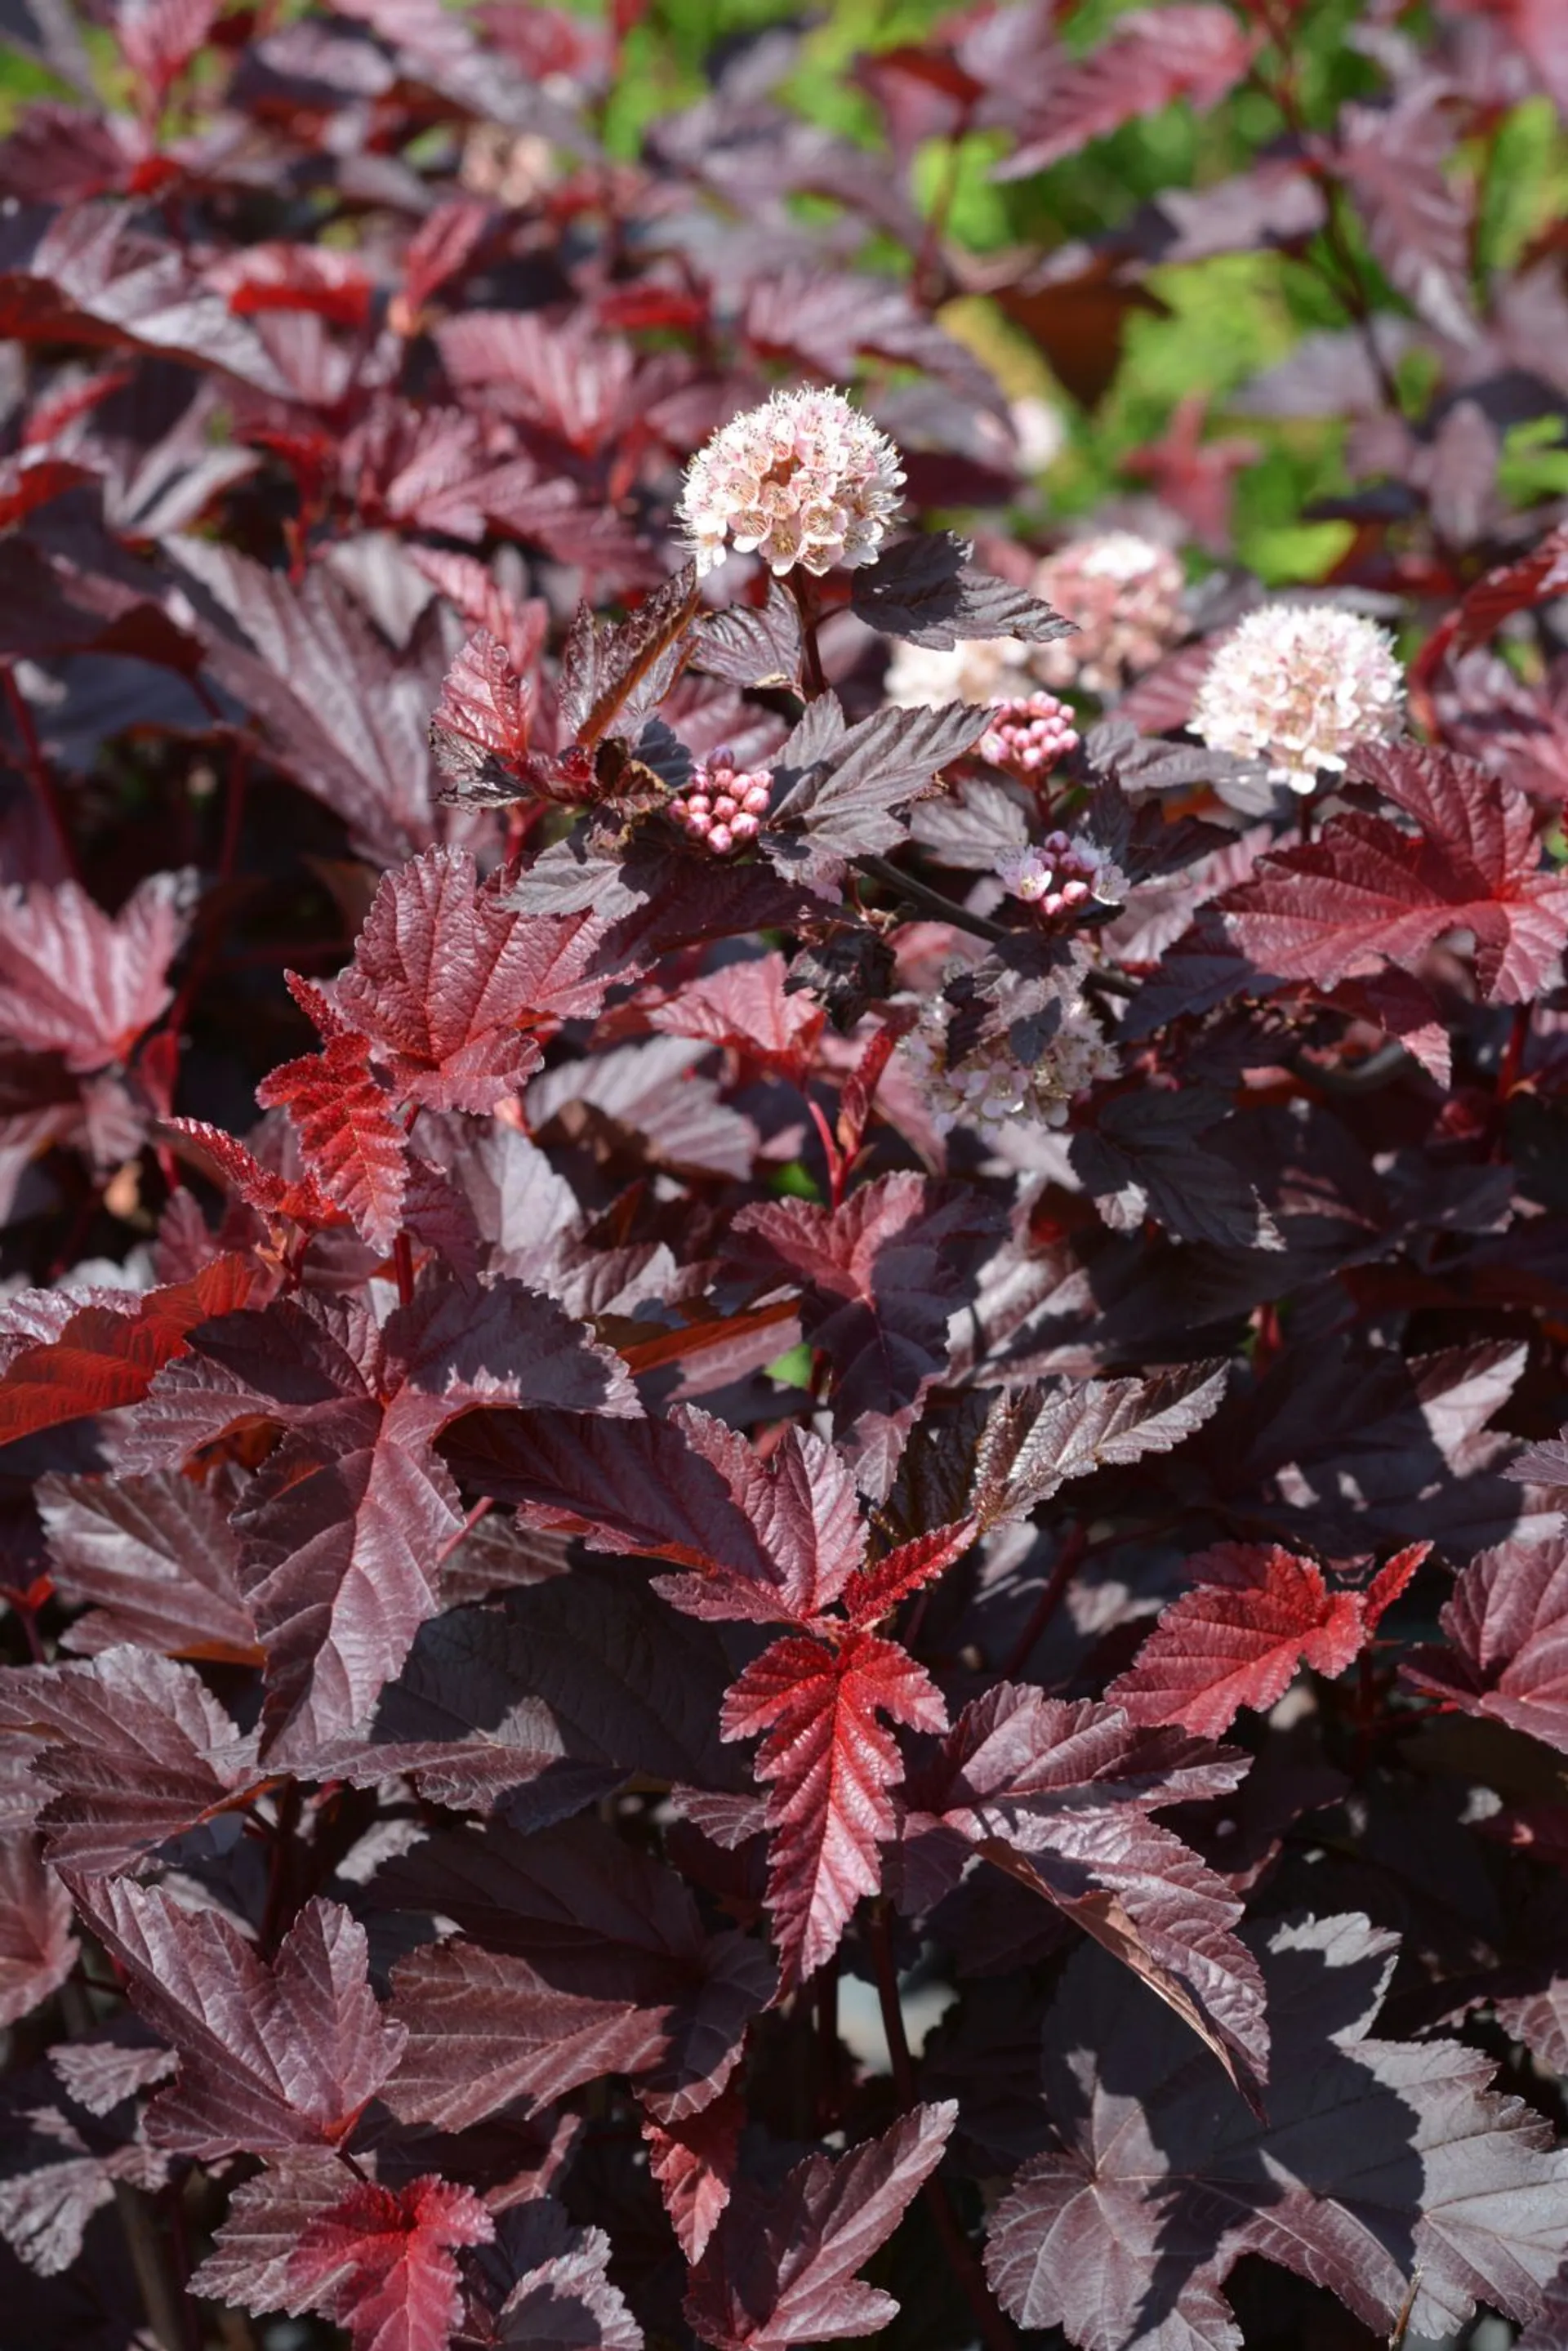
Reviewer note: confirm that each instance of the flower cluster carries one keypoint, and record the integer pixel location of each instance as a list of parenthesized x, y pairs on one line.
[(723, 805), (1058, 874), (989, 1090), (983, 669), (1029, 735), (1124, 594), (803, 480), (1298, 685)]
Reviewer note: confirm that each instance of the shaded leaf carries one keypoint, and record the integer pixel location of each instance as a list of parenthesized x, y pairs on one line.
[(928, 591), (782, 2271)]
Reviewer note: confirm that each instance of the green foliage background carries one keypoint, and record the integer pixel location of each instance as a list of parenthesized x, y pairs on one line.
[(1219, 321)]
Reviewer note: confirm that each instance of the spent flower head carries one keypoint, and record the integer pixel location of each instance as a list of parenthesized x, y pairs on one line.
[(1299, 684), (806, 479), (1124, 595)]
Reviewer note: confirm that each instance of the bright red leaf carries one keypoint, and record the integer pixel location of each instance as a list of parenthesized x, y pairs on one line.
[(829, 1762), (351, 1141), (1254, 1616), (381, 2262), (106, 1354)]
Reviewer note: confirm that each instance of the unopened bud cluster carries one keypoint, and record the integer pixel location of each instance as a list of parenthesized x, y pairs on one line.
[(723, 805), (805, 480), (990, 1090), (1028, 735), (1058, 874), (1299, 685), (1124, 594)]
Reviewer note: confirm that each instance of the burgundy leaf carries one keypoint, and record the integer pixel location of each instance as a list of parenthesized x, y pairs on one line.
[(1151, 56), (783, 2272), (1370, 2174), (154, 1562), (446, 985), (80, 983), (1535, 579), (1367, 893), (752, 647), (229, 1162), (1060, 1795), (135, 1747), (1032, 1444), (276, 2056), (694, 2162), (829, 1763), (612, 678), (879, 1279), (344, 716), (479, 734), (37, 1949), (1417, 224), (343, 1530), (1506, 1626), (551, 2284), (836, 786), (586, 1959), (1253, 1615), (548, 1702), (381, 2261)]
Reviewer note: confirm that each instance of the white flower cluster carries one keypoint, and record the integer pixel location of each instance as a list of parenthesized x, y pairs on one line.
[(1058, 874), (1298, 685), (986, 669), (1029, 735), (803, 480), (1124, 594), (989, 1090)]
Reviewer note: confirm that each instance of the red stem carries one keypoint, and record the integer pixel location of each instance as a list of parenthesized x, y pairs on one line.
[(402, 1260), (1074, 1543), (838, 1166), (995, 2330), (35, 766), (1513, 1052)]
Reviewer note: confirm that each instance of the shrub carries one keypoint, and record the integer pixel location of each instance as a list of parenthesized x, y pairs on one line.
[(824, 1594)]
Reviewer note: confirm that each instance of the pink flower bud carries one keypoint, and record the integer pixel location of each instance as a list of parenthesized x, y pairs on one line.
[(720, 840), (724, 806), (745, 827), (756, 800)]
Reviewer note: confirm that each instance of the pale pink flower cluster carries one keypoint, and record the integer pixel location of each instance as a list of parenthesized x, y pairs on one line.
[(1058, 874), (1298, 685), (723, 805), (803, 480), (981, 669), (1126, 595), (989, 1090), (1028, 736)]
